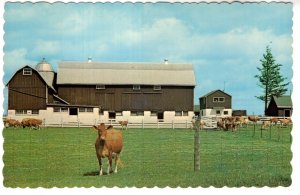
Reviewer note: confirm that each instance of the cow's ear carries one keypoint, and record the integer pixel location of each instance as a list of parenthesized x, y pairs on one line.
[(95, 127)]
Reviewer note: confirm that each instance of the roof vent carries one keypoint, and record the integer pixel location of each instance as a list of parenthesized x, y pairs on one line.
[(44, 66), (166, 61)]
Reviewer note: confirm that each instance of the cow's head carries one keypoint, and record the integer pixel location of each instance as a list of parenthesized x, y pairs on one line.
[(101, 131)]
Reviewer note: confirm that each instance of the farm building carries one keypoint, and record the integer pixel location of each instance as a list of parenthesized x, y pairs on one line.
[(92, 92), (280, 106), (215, 103)]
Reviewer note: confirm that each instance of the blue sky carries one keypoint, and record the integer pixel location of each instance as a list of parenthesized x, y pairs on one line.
[(225, 42)]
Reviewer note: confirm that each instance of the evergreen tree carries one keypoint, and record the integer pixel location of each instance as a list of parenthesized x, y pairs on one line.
[(270, 79)]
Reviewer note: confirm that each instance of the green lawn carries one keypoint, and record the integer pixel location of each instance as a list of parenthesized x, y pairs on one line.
[(59, 157)]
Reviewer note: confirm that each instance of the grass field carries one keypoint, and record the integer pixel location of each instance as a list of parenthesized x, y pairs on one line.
[(65, 157)]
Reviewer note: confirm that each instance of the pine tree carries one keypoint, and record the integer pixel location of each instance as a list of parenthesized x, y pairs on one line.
[(270, 79)]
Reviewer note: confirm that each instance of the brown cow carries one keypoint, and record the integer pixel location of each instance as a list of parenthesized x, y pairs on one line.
[(285, 122), (254, 119), (123, 124), (11, 123), (108, 143), (32, 123), (274, 120), (265, 124)]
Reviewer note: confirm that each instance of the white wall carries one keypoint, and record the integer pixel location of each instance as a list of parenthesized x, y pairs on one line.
[(212, 112), (92, 118)]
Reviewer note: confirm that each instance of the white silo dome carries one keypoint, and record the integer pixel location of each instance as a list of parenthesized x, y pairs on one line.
[(44, 66)]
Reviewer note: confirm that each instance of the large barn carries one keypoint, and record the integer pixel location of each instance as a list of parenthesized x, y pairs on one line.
[(92, 92)]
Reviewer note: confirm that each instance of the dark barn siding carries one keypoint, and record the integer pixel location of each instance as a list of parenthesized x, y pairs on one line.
[(121, 98), (26, 92), (207, 102)]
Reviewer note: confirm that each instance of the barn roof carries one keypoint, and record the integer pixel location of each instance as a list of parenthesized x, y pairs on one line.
[(283, 101), (122, 73), (47, 77)]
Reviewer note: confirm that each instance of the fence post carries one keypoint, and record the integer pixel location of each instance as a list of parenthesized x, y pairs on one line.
[(172, 124), (61, 122), (142, 123), (197, 146), (186, 124), (157, 124), (44, 121)]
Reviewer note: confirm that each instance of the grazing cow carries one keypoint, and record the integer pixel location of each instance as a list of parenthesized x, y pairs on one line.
[(274, 120), (254, 119), (32, 123), (11, 123), (285, 122), (108, 143), (220, 124), (123, 124), (265, 124), (200, 124)]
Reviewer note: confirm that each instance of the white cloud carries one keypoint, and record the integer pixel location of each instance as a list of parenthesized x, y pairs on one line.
[(43, 48)]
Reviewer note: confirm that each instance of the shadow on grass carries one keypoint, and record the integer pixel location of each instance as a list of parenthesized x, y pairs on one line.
[(94, 173)]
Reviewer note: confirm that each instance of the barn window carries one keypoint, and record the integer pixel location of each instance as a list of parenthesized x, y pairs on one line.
[(156, 87), (153, 113), (64, 109), (137, 113), (81, 109), (218, 112), (119, 114), (89, 110), (21, 112), (136, 87), (99, 87), (185, 113), (35, 112), (221, 99), (218, 99), (178, 113), (56, 109), (226, 112), (27, 71)]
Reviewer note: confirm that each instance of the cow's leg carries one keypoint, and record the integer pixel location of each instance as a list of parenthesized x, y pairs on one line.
[(109, 163), (117, 159)]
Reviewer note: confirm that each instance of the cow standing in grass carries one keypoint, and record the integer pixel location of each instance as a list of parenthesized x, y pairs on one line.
[(32, 123), (11, 123), (109, 143), (123, 124)]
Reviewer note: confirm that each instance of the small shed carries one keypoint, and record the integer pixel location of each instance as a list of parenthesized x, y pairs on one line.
[(280, 106), (216, 103)]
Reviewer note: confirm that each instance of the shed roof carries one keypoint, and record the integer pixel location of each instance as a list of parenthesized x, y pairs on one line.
[(122, 73), (283, 101), (209, 93)]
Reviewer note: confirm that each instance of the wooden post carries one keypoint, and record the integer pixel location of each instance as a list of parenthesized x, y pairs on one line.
[(270, 130), (172, 124), (254, 125), (197, 127), (260, 131)]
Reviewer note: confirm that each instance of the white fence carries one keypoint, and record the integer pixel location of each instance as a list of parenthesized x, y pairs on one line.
[(142, 124)]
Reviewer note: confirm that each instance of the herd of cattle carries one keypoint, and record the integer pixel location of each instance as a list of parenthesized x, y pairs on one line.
[(234, 122), (26, 122)]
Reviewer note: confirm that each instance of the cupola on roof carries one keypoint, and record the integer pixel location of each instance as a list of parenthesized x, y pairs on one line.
[(44, 66)]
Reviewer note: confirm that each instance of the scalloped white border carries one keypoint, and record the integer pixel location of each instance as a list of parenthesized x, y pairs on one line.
[(293, 189)]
